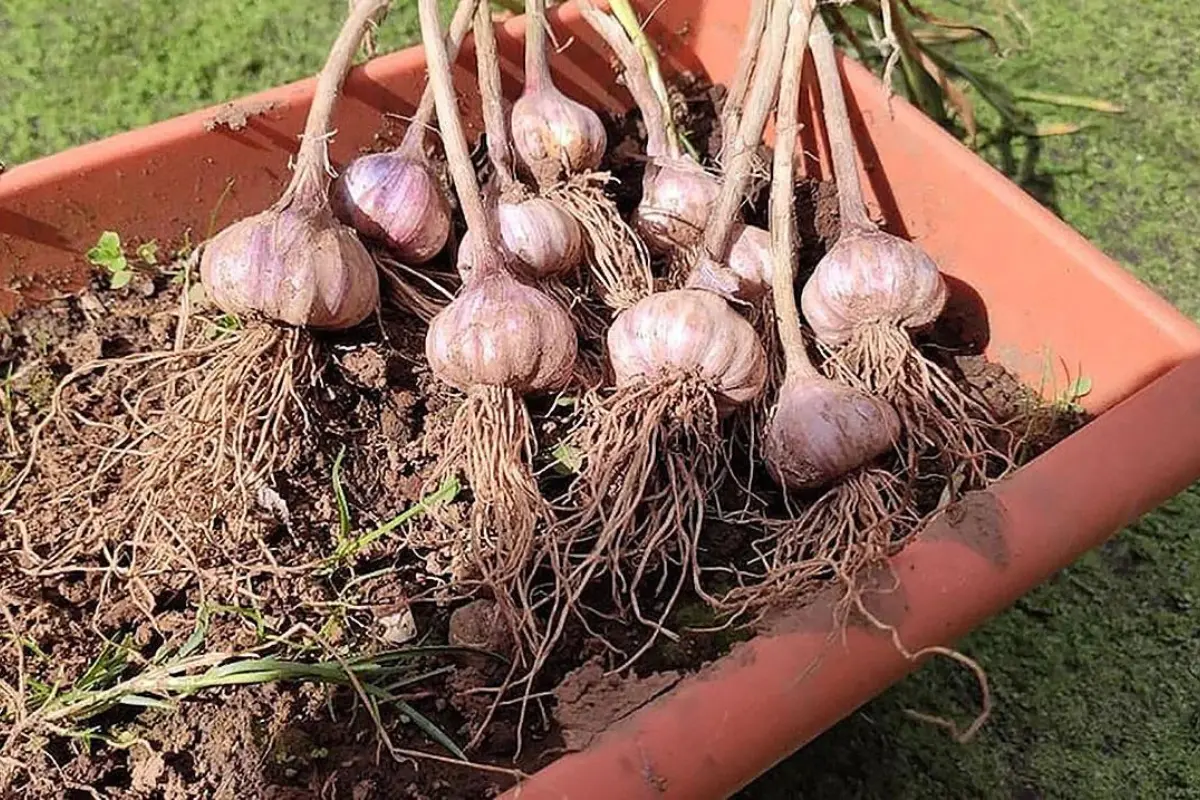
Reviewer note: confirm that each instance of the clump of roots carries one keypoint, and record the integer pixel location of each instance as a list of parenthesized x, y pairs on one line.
[(652, 457), (948, 435), (846, 531), (490, 444), (188, 455), (617, 257)]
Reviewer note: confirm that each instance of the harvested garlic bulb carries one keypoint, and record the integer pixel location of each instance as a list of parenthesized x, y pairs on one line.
[(395, 199), (543, 240), (692, 333), (677, 196), (501, 332), (870, 276), (746, 273)]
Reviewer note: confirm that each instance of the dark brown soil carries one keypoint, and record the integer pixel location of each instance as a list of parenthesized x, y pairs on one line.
[(72, 602)]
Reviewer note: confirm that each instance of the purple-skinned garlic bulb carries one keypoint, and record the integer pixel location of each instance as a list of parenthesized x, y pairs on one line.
[(688, 333), (868, 277), (396, 197), (295, 263), (554, 137), (819, 430)]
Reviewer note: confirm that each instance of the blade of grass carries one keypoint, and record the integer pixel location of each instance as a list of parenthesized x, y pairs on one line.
[(339, 493), (351, 547), (950, 24), (1068, 101), (431, 730), (954, 94)]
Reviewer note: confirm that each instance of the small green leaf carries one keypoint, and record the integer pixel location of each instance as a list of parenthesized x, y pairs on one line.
[(120, 278), (1081, 386), (148, 252), (339, 494), (145, 701), (107, 249), (568, 459)]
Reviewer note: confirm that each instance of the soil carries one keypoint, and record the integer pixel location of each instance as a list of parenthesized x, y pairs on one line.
[(81, 615)]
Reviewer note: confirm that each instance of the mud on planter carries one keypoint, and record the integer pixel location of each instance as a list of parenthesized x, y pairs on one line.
[(1050, 299)]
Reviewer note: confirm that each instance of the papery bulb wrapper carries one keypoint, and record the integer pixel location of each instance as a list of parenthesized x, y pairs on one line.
[(872, 277), (677, 196), (688, 333), (501, 332), (543, 240), (746, 275), (294, 264), (395, 199), (821, 430), (555, 137)]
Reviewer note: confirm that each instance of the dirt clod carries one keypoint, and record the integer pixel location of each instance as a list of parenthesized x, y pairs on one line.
[(590, 701)]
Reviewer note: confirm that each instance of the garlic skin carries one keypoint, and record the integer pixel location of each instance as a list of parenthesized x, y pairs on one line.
[(677, 196), (555, 137), (543, 240), (747, 274), (395, 199), (546, 240), (294, 264), (689, 333), (501, 332), (821, 430), (872, 277)]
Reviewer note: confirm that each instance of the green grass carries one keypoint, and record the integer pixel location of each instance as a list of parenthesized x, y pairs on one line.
[(1097, 673)]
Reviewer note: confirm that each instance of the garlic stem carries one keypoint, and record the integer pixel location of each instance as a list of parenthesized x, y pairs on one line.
[(628, 18), (718, 236), (491, 93), (782, 208), (851, 205), (731, 112), (312, 162), (537, 63), (413, 143), (454, 140), (659, 140)]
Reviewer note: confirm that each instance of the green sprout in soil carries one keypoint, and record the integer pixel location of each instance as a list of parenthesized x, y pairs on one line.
[(348, 545), (119, 676), (109, 255)]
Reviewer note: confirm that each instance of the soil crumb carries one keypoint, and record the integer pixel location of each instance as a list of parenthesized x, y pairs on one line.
[(588, 701), (235, 116)]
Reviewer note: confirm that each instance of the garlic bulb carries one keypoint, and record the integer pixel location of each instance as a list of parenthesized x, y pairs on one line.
[(543, 240), (395, 199), (746, 275), (500, 332), (821, 430), (294, 264), (677, 196), (689, 332), (554, 136), (870, 276)]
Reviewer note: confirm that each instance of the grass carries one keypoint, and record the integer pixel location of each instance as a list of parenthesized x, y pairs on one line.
[(1095, 673)]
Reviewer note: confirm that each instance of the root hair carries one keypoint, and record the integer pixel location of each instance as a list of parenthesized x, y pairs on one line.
[(617, 258)]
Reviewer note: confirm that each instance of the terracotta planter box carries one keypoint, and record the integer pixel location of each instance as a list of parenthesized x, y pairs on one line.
[(1050, 298)]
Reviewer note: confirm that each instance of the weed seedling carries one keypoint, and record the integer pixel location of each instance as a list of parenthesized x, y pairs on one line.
[(110, 255)]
